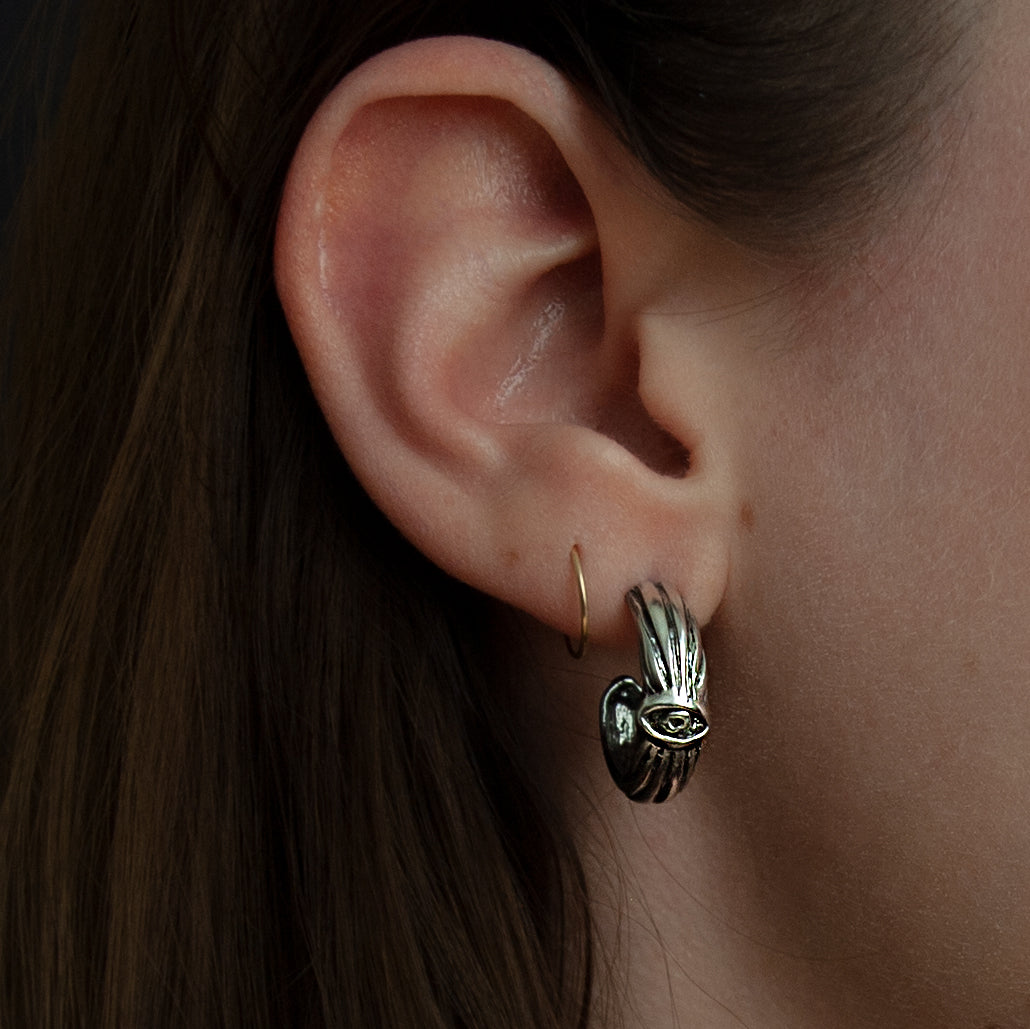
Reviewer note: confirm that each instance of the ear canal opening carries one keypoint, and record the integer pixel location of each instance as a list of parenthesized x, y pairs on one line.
[(625, 420), (564, 367)]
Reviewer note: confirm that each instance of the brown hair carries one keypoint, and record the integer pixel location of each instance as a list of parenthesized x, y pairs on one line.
[(251, 771)]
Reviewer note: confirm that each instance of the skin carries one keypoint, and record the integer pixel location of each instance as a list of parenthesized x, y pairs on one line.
[(851, 533), (853, 849)]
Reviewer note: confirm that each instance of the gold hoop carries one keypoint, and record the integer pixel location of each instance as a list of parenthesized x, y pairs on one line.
[(584, 612)]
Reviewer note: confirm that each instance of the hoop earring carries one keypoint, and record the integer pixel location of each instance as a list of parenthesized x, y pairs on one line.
[(584, 611), (652, 733)]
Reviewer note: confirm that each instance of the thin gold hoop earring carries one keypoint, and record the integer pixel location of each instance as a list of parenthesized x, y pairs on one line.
[(584, 612)]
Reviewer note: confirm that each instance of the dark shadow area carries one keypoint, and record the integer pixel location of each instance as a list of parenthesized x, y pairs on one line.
[(36, 40)]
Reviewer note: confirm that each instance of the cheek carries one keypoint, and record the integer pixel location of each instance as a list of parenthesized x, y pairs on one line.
[(875, 684)]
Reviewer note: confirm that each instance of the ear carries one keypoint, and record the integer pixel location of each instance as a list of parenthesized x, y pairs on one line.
[(479, 281)]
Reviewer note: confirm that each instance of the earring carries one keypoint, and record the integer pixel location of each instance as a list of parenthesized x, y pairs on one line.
[(584, 611), (652, 733)]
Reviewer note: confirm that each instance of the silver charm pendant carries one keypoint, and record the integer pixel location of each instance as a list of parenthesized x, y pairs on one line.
[(652, 733)]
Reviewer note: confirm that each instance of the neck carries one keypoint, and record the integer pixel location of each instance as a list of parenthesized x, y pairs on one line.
[(695, 922)]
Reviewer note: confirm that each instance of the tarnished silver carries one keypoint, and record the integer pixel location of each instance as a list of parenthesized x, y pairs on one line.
[(652, 733)]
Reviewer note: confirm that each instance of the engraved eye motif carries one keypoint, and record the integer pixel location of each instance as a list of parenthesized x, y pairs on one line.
[(652, 733), (672, 725)]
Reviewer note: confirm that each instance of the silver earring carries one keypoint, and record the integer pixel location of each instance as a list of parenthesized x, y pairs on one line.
[(652, 733)]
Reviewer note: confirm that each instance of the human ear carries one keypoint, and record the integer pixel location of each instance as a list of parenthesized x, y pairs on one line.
[(470, 265)]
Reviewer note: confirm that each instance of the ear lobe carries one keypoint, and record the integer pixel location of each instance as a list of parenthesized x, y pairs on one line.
[(444, 264)]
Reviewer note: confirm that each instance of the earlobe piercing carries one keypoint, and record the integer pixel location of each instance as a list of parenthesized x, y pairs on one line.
[(584, 611), (652, 733)]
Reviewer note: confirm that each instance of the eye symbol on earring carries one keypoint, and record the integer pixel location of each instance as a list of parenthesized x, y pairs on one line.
[(652, 733), (671, 725)]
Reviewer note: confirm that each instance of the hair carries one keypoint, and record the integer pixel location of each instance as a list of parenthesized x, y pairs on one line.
[(251, 770)]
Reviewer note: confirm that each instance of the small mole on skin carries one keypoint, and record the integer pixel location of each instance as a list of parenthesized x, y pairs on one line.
[(511, 558), (747, 516)]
